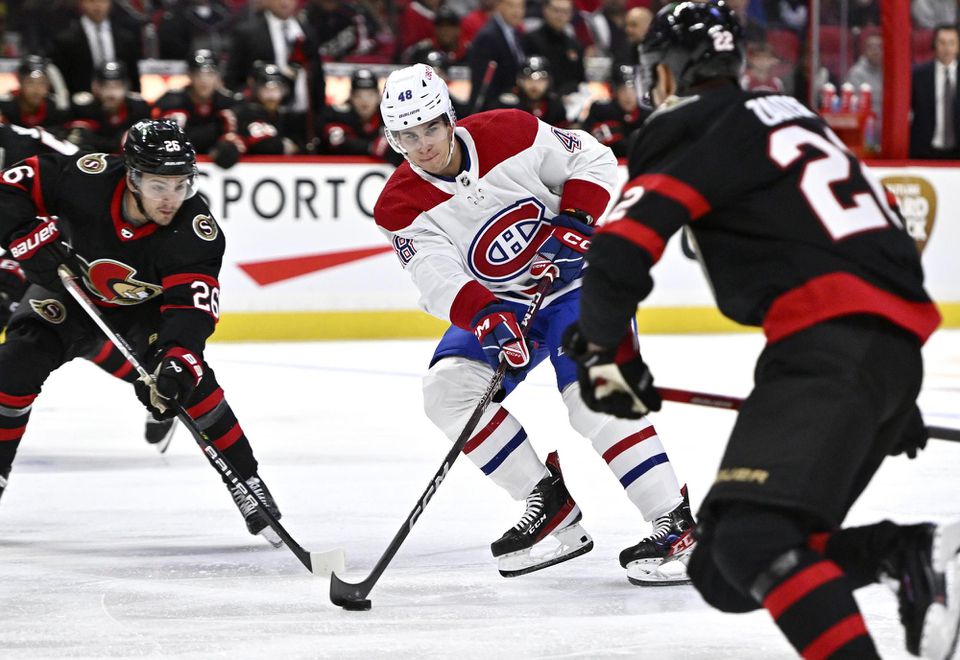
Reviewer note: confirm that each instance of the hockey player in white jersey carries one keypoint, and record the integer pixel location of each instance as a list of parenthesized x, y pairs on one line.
[(478, 212)]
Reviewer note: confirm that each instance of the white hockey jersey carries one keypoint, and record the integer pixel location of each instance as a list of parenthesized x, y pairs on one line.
[(470, 239)]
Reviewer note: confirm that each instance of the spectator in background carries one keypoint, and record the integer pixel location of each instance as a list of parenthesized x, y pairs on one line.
[(33, 104), (102, 116), (798, 83), (607, 25), (753, 30), (263, 124), (928, 14), (475, 20), (759, 74), (446, 38), (416, 22), (533, 94), (203, 109), (440, 63), (554, 41), (498, 41), (934, 101), (636, 23), (276, 36), (342, 29), (612, 122), (355, 128), (860, 13), (787, 14), (190, 25), (868, 69), (91, 40), (38, 21)]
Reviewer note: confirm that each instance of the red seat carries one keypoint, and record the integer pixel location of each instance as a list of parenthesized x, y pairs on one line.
[(785, 43), (922, 45)]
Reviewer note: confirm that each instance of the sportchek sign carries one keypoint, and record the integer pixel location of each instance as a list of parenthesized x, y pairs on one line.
[(301, 238)]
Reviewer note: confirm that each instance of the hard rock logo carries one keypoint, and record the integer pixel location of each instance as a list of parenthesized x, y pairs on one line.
[(918, 205)]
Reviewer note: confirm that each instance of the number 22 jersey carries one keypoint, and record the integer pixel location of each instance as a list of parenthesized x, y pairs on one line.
[(790, 227)]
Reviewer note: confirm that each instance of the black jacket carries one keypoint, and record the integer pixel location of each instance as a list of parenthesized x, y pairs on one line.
[(923, 103), (72, 55), (490, 45)]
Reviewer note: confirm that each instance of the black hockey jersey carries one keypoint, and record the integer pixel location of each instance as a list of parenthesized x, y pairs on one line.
[(204, 123), (549, 109), (18, 142), (263, 132), (612, 125), (174, 268), (94, 129), (343, 133), (46, 115), (790, 227)]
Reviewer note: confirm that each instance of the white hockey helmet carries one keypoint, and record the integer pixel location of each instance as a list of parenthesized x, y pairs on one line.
[(413, 96)]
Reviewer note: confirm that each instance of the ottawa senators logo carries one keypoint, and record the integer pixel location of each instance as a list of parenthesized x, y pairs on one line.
[(205, 227), (92, 163), (113, 282), (50, 310)]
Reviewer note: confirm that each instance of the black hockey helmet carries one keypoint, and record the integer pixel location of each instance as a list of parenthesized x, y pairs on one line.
[(698, 41), (159, 146), (203, 59), (624, 75), (265, 73), (535, 67), (435, 58), (111, 71), (363, 79), (32, 66), (446, 16)]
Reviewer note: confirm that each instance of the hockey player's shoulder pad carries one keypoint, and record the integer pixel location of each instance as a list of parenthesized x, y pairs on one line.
[(500, 134), (404, 198)]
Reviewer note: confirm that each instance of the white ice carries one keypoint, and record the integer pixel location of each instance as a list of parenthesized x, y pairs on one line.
[(109, 550)]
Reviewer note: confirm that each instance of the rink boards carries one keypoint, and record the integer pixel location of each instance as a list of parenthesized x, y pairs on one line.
[(305, 260)]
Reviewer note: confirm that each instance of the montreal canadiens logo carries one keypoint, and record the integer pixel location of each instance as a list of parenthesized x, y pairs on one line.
[(113, 282), (505, 246)]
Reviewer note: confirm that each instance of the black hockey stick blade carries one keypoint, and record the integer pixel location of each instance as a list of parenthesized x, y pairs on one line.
[(734, 403), (318, 563), (353, 596)]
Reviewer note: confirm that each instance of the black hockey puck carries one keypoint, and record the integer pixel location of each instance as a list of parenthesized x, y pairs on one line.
[(356, 605)]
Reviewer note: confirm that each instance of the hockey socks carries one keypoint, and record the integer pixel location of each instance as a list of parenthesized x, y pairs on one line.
[(501, 450), (811, 601), (14, 415), (215, 418)]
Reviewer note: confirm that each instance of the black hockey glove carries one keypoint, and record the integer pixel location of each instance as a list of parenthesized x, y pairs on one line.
[(914, 436), (616, 380), (498, 331), (40, 251), (177, 374), (564, 248)]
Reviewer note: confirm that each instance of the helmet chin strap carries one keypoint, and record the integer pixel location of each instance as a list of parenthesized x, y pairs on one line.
[(138, 199)]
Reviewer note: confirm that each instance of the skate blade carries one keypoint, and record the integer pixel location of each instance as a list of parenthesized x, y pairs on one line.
[(563, 545), (653, 573), (941, 625)]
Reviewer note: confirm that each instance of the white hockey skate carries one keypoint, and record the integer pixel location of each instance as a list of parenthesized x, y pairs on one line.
[(662, 557), (549, 532)]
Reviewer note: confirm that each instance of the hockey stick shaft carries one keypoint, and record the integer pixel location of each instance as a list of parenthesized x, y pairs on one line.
[(485, 83), (734, 403), (213, 455), (342, 592)]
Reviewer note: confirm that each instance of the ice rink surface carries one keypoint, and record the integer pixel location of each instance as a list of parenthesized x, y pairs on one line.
[(109, 550)]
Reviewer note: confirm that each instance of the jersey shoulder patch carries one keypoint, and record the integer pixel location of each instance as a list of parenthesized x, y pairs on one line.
[(500, 134), (405, 197)]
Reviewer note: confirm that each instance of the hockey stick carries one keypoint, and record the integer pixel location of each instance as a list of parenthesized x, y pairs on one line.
[(484, 87), (318, 563), (733, 403), (353, 596)]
